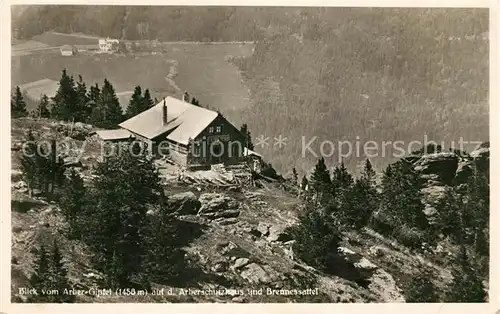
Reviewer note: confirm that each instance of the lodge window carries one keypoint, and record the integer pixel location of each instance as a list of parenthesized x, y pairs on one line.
[(219, 129), (211, 129)]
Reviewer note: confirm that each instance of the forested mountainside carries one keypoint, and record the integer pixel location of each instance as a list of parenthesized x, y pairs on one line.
[(136, 22), (88, 223), (381, 75)]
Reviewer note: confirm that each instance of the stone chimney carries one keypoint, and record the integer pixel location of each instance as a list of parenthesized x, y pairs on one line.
[(185, 97), (164, 111)]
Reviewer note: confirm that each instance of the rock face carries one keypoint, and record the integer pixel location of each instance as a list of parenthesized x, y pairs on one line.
[(184, 203), (218, 205), (439, 167), (439, 171), (379, 281), (254, 273), (278, 234)]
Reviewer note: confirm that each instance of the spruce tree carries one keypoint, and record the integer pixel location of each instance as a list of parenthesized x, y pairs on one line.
[(466, 286), (421, 288), (164, 260), (357, 204), (51, 170), (112, 112), (40, 279), (59, 277), (148, 101), (95, 108), (247, 136), (65, 101), (124, 187), (83, 107), (342, 180), (43, 107), (368, 174), (136, 104), (359, 201), (31, 162), (317, 239), (401, 196), (295, 176), (320, 181), (17, 104), (94, 93), (73, 200)]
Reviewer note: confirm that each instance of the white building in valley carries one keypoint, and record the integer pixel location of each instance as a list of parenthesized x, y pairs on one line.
[(108, 45)]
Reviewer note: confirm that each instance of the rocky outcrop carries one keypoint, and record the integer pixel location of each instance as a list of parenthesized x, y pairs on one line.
[(439, 167), (184, 203), (440, 171), (278, 233), (255, 273), (218, 205), (379, 282)]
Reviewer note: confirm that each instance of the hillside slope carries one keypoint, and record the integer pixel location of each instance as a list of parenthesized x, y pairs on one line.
[(238, 233)]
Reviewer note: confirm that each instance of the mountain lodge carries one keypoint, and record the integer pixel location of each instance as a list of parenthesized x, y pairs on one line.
[(188, 134)]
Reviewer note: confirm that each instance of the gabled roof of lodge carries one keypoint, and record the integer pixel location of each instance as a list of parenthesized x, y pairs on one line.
[(184, 121)]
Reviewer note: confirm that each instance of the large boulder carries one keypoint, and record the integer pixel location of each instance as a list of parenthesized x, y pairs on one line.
[(184, 203), (465, 169), (278, 233), (481, 158), (383, 285), (218, 205), (439, 166), (254, 273)]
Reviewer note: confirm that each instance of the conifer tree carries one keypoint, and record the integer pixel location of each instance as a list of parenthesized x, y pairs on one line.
[(148, 101), (40, 278), (59, 277), (136, 104), (401, 196), (466, 285), (51, 169), (164, 260), (124, 187), (83, 107), (40, 166), (421, 289), (94, 93), (73, 200), (248, 136), (317, 239), (320, 181), (358, 202), (342, 180), (295, 176), (17, 104), (65, 100), (112, 111), (96, 110), (43, 107), (368, 174), (31, 161)]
